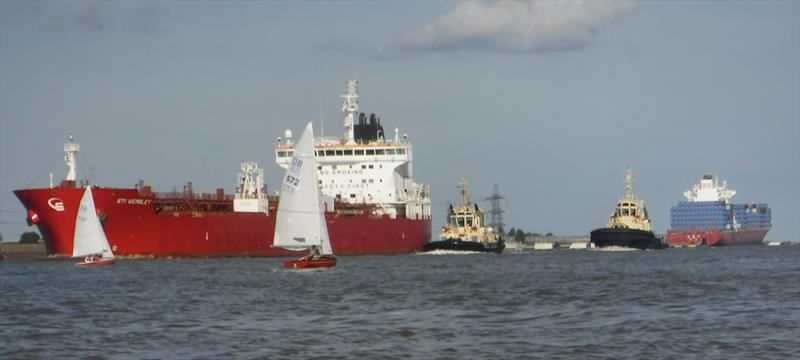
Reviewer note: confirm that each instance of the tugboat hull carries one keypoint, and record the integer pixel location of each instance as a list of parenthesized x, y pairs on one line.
[(628, 238), (460, 245)]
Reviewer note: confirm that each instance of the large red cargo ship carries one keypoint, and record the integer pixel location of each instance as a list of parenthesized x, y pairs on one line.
[(372, 204), (708, 217)]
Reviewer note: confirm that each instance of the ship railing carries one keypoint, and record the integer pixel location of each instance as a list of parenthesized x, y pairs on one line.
[(193, 196)]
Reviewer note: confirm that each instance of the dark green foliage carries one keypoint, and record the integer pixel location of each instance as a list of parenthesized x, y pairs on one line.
[(29, 238)]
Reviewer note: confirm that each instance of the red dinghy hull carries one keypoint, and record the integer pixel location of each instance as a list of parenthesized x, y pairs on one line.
[(95, 263), (307, 263)]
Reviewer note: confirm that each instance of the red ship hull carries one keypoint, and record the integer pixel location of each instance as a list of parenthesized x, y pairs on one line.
[(749, 236), (136, 227)]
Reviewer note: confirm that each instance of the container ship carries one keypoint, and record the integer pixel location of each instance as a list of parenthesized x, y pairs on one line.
[(707, 217), (372, 205)]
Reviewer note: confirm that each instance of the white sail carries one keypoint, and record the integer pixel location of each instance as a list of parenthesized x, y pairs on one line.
[(300, 221), (89, 235)]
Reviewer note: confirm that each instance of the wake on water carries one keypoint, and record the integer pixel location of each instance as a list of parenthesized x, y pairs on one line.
[(449, 252), (613, 248)]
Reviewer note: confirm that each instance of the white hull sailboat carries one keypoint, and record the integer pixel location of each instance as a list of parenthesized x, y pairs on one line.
[(90, 240), (300, 223)]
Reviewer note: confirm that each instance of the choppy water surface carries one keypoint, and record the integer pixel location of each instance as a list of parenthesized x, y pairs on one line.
[(739, 302)]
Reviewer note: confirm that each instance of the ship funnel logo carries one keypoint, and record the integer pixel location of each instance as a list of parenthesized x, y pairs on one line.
[(56, 204)]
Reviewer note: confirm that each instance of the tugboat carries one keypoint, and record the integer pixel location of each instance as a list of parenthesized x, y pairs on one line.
[(465, 230), (629, 225)]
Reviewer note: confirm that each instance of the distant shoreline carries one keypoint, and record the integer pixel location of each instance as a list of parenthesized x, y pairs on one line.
[(17, 251)]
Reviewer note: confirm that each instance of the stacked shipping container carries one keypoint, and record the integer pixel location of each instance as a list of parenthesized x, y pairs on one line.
[(717, 215)]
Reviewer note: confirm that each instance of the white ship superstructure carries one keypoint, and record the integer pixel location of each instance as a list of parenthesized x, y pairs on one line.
[(364, 167), (630, 212), (709, 190)]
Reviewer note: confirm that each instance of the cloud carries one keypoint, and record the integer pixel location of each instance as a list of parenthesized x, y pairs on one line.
[(99, 16), (94, 16), (146, 17), (515, 26)]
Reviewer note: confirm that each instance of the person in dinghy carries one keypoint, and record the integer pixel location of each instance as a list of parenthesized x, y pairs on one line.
[(313, 254)]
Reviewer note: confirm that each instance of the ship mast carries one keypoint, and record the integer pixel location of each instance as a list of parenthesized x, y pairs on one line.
[(71, 149), (464, 186), (350, 110), (629, 185)]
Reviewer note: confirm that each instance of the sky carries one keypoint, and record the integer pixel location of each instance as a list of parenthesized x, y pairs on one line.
[(552, 101)]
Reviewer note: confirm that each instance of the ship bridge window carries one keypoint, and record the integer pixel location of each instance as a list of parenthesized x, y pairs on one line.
[(359, 152), (281, 153), (339, 153), (348, 152), (329, 153), (370, 151), (390, 152), (633, 212), (319, 153), (460, 221), (380, 151), (469, 221), (401, 151), (624, 212), (290, 153)]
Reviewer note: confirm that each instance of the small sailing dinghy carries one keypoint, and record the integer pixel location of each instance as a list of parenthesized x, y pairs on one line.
[(300, 223), (90, 240)]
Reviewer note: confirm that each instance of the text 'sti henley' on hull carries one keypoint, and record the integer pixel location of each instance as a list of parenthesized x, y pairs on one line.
[(709, 218), (372, 204)]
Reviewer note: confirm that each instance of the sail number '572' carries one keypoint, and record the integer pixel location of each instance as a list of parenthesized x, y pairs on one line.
[(292, 180)]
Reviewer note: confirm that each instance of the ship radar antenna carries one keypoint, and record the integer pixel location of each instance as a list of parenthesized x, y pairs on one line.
[(350, 110), (496, 214), (629, 185), (71, 149)]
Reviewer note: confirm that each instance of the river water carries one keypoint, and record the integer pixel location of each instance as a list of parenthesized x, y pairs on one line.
[(704, 303)]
